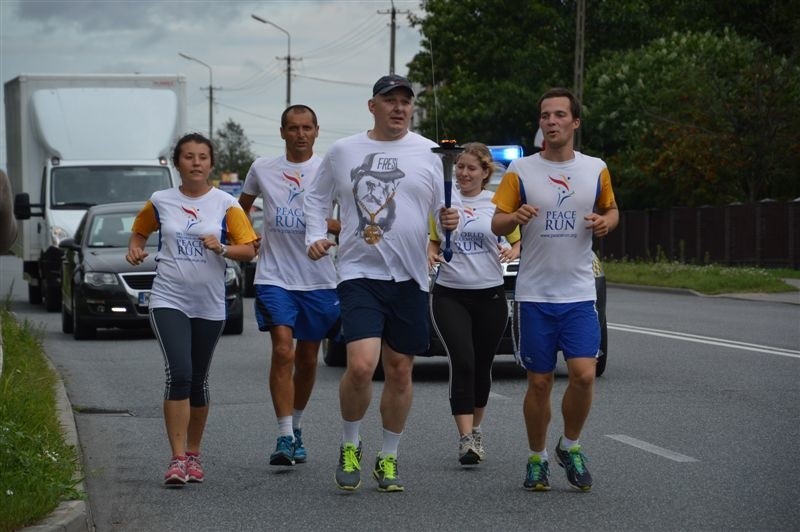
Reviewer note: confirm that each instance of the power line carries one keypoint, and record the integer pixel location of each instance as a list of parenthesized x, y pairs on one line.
[(334, 47), (351, 83)]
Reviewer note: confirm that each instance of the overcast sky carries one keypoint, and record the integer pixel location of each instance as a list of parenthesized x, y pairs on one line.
[(341, 47)]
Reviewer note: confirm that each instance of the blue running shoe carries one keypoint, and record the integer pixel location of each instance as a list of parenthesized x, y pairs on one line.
[(574, 463), (300, 453), (284, 452), (537, 476)]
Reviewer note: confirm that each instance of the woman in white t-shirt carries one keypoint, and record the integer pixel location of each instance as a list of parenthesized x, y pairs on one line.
[(198, 226), (468, 304)]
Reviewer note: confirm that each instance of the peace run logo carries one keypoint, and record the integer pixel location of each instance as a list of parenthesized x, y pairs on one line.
[(470, 215), (295, 187), (192, 216), (561, 183)]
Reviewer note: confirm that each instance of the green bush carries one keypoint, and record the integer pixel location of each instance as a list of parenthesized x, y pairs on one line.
[(38, 468)]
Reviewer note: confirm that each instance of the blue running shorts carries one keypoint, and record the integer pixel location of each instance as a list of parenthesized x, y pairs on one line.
[(311, 314), (394, 311), (546, 328)]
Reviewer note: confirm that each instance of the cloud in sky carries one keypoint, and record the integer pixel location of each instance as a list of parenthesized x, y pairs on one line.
[(340, 48)]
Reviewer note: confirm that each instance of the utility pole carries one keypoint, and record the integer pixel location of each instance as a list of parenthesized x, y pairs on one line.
[(288, 57), (393, 12), (580, 23)]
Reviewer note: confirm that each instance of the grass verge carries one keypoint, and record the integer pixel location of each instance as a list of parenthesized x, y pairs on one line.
[(38, 467), (708, 279)]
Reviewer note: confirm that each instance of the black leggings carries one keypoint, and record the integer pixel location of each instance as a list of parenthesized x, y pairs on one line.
[(188, 345), (470, 324)]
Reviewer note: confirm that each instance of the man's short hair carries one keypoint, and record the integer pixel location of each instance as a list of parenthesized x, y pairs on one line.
[(298, 108)]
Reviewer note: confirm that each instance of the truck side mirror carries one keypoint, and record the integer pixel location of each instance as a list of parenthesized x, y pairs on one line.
[(22, 206)]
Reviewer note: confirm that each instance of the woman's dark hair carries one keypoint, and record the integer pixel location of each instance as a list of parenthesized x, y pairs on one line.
[(191, 137)]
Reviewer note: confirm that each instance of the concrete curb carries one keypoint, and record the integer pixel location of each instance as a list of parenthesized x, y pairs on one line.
[(69, 516), (791, 298)]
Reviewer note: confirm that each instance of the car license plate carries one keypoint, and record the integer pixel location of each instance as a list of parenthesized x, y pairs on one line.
[(144, 299)]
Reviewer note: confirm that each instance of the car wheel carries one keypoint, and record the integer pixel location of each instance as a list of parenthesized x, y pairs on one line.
[(81, 330), (66, 319), (334, 353), (601, 359), (52, 297), (249, 280), (234, 326)]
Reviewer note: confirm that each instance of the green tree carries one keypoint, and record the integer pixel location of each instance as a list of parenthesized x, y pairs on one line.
[(232, 150), (489, 72), (694, 119)]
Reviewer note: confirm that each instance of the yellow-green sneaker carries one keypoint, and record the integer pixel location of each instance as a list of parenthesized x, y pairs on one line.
[(348, 472), (386, 474)]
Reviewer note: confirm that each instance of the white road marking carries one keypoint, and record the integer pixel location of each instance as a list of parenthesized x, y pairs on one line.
[(733, 344), (649, 447)]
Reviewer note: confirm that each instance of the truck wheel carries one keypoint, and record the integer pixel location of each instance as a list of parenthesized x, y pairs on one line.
[(81, 330), (34, 294), (52, 297)]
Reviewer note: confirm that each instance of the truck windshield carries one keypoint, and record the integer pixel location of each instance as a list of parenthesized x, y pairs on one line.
[(79, 187)]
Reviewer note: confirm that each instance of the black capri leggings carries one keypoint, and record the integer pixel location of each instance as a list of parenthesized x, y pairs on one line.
[(470, 324), (188, 345)]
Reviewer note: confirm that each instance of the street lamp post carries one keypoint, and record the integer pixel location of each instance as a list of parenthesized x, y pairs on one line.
[(288, 58), (210, 93)]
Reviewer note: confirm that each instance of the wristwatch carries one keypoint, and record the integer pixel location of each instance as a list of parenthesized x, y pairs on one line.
[(224, 249)]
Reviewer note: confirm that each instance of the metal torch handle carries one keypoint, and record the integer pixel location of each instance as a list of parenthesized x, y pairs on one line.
[(447, 253)]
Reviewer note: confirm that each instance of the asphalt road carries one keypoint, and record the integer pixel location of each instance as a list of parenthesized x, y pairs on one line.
[(693, 427)]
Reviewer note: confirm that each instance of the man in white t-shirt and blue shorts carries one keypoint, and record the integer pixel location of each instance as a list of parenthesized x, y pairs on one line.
[(295, 298), (559, 198)]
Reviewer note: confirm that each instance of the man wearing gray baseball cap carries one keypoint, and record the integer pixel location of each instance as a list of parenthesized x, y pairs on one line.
[(388, 183)]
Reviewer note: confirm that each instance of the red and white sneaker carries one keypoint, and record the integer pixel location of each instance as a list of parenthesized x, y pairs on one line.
[(176, 473), (194, 468)]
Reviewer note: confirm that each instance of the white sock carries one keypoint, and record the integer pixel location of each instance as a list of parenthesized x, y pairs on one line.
[(541, 454), (477, 429), (285, 426), (391, 441), (297, 418), (350, 431), (567, 443)]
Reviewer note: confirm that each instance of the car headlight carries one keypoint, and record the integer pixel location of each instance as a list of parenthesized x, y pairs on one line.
[(99, 279)]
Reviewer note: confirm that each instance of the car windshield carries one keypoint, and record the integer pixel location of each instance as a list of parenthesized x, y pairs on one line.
[(113, 230), (83, 186)]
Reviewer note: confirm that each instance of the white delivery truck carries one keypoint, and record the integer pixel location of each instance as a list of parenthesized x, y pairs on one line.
[(77, 140)]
